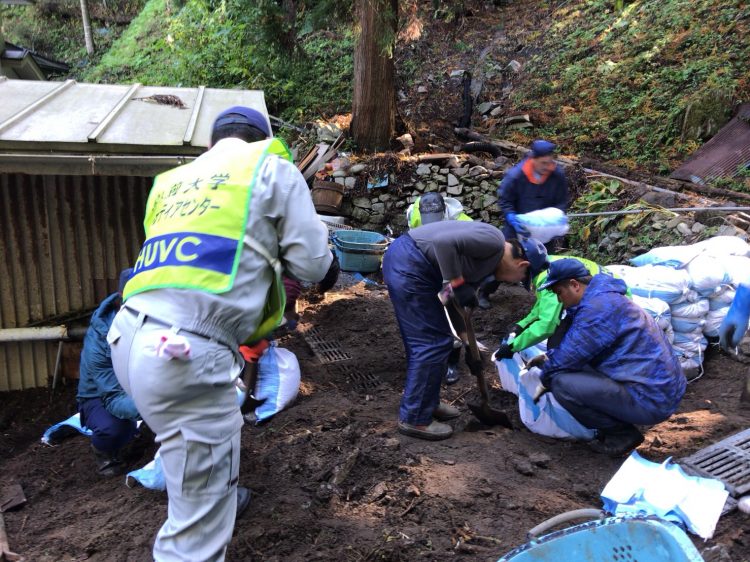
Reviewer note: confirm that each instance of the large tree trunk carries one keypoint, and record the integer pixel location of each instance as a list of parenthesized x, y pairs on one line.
[(87, 27), (374, 103)]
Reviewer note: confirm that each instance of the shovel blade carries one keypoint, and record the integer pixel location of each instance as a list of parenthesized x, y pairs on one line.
[(14, 497), (490, 416)]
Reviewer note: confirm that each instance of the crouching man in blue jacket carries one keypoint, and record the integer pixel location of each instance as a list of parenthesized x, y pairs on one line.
[(614, 367), (104, 406)]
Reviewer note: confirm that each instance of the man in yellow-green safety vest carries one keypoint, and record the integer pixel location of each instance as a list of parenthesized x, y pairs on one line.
[(544, 320), (433, 207), (220, 232)]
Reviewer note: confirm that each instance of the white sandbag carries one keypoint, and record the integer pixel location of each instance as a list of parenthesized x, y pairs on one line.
[(724, 246), (278, 381), (687, 309), (619, 270), (682, 325), (707, 274), (656, 281), (546, 417), (510, 369), (688, 345), (722, 298), (689, 296), (713, 321), (656, 308), (692, 367), (669, 332), (738, 269), (670, 256), (545, 224)]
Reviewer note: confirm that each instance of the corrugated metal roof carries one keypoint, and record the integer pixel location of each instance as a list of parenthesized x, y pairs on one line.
[(723, 156), (74, 117)]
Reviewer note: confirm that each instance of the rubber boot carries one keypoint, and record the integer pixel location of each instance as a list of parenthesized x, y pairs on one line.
[(108, 464), (617, 442), (243, 500)]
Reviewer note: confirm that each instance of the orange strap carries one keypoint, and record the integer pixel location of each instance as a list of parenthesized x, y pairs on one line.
[(252, 353)]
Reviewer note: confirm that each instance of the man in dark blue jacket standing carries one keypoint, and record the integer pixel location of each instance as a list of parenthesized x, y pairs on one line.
[(104, 406), (535, 183), (614, 367)]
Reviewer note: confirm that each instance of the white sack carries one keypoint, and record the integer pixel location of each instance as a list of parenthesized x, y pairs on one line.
[(687, 309), (656, 308), (545, 224)]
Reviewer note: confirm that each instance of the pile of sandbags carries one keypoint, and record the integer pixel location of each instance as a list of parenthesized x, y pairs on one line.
[(697, 283)]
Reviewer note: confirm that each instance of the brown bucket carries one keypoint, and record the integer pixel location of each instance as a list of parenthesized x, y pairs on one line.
[(327, 197)]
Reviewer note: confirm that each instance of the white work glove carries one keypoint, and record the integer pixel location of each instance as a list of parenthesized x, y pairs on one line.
[(538, 392)]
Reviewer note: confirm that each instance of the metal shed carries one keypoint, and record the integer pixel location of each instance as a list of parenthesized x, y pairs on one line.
[(76, 164)]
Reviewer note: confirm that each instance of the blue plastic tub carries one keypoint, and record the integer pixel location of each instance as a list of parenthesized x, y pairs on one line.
[(626, 539), (359, 250)]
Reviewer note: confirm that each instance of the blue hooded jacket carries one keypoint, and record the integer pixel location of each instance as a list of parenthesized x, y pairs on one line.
[(615, 337), (98, 378)]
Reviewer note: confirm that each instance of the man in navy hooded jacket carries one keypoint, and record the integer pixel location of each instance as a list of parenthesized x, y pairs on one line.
[(104, 406), (535, 183), (614, 367)]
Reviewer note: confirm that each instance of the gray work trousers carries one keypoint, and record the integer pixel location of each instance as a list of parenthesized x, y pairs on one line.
[(192, 407)]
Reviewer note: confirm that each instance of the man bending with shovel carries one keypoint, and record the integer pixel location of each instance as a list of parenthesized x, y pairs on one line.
[(417, 267)]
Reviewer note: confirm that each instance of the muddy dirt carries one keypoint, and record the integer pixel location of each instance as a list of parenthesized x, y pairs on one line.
[(472, 497)]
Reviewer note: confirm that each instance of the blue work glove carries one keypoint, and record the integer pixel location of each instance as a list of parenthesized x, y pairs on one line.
[(735, 323), (513, 221)]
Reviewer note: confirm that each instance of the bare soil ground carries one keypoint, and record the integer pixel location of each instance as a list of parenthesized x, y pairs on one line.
[(472, 497)]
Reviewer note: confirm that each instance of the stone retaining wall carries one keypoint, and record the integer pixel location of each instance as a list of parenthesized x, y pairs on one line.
[(475, 186)]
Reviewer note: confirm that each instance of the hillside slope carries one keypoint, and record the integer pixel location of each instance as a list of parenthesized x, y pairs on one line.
[(641, 86)]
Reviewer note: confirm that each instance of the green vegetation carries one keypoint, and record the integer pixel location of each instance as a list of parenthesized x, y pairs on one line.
[(54, 28), (302, 59), (615, 238), (643, 85), (229, 44)]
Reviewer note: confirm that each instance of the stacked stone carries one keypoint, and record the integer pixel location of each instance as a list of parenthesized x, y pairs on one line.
[(472, 185)]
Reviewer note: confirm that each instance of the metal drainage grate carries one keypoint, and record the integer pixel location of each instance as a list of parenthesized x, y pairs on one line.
[(325, 351), (358, 380), (727, 460)]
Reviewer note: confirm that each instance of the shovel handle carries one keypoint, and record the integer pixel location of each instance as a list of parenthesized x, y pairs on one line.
[(471, 341), (5, 554)]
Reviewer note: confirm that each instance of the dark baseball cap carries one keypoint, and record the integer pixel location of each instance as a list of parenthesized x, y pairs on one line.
[(431, 208), (542, 148), (562, 270), (536, 254), (241, 115)]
